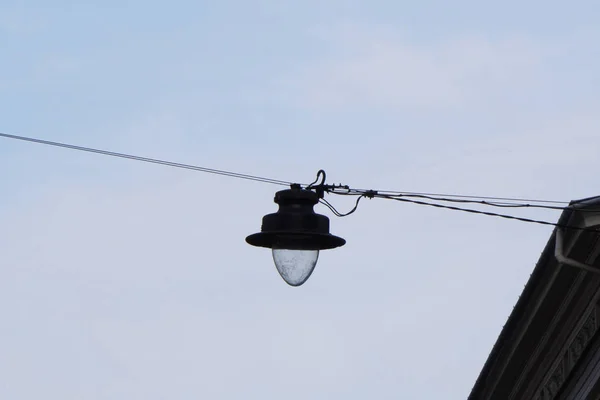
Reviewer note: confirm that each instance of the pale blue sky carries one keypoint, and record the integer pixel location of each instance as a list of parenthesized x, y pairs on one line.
[(121, 280)]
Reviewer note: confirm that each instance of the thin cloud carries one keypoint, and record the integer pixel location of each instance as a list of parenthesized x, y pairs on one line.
[(378, 68)]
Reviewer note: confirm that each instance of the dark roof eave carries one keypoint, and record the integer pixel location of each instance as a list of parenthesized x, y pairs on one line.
[(524, 299)]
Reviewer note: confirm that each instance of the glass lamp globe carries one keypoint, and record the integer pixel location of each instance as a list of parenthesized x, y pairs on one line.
[(295, 266)]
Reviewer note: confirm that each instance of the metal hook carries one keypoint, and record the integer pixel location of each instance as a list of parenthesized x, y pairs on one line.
[(320, 188), (323, 176)]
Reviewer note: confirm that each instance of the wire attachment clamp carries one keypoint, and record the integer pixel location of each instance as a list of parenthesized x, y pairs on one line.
[(321, 187)]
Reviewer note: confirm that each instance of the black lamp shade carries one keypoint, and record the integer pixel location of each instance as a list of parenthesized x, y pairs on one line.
[(295, 226)]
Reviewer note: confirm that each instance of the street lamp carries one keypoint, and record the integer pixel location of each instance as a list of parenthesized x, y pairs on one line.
[(296, 234)]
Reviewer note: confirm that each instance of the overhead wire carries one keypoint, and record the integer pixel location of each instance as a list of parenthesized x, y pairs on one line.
[(408, 197), (447, 197), (149, 160), (504, 204), (376, 194), (462, 196), (492, 214)]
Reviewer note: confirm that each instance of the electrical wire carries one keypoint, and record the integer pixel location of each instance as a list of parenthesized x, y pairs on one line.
[(460, 196), (336, 212), (149, 160), (331, 208), (470, 210), (504, 204), (375, 194), (345, 190)]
